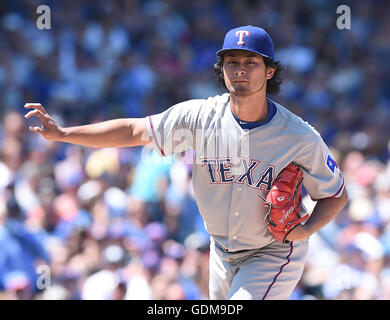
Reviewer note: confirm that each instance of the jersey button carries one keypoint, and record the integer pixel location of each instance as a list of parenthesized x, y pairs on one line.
[(237, 213), (239, 189), (235, 237)]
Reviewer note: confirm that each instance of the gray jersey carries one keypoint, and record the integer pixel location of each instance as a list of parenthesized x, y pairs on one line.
[(232, 165)]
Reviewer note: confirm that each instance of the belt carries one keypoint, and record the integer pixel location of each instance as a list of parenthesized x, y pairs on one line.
[(227, 250)]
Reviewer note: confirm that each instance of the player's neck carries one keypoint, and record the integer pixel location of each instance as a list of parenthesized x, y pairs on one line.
[(249, 108)]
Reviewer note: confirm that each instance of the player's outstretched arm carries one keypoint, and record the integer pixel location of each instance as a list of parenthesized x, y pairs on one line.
[(107, 134)]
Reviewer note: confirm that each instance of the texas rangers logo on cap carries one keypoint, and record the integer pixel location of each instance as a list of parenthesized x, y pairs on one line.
[(240, 34)]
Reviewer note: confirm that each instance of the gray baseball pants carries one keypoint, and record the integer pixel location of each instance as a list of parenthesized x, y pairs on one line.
[(271, 272)]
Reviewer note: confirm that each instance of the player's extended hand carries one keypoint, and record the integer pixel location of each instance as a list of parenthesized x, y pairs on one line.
[(49, 130)]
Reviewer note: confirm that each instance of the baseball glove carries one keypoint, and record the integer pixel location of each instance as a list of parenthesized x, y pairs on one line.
[(284, 202)]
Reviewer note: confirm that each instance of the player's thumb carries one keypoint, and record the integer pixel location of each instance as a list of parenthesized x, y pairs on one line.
[(38, 130)]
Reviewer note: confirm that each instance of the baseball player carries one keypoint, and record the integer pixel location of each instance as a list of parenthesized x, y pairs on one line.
[(245, 144)]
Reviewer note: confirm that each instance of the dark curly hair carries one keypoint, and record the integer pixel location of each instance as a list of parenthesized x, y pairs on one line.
[(273, 84)]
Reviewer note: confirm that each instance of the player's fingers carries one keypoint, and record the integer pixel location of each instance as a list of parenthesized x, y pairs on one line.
[(35, 129), (35, 112), (36, 106)]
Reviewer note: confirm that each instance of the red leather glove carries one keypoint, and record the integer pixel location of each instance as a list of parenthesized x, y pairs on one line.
[(284, 202)]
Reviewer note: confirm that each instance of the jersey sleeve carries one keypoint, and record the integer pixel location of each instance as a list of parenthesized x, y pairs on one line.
[(173, 131), (322, 175)]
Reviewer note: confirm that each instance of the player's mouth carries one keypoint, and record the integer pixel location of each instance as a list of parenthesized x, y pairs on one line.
[(240, 81)]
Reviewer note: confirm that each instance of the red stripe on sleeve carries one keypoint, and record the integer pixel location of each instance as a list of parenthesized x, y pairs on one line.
[(154, 137)]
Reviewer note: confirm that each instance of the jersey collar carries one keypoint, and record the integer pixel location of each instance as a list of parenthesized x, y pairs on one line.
[(249, 125)]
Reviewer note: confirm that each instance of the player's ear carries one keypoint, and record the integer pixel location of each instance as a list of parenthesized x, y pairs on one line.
[(270, 72)]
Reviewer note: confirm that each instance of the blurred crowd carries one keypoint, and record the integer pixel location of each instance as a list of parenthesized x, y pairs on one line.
[(106, 225)]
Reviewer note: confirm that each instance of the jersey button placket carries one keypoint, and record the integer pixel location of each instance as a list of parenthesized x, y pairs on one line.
[(235, 216), (244, 145)]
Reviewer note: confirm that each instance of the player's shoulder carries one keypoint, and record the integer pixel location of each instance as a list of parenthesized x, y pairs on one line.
[(207, 104), (210, 108), (198, 111), (293, 122), (216, 103)]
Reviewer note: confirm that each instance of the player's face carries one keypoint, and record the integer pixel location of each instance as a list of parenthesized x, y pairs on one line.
[(245, 72)]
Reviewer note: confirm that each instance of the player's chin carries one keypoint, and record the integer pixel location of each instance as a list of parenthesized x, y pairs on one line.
[(241, 91)]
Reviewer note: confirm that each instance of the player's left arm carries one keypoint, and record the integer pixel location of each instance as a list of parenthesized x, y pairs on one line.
[(324, 211)]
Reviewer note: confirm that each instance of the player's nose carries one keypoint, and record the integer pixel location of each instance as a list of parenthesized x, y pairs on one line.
[(239, 71)]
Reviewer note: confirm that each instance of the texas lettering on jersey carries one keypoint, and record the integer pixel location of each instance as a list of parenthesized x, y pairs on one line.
[(220, 172)]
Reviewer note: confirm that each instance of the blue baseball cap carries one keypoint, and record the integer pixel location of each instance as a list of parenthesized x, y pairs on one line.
[(248, 38)]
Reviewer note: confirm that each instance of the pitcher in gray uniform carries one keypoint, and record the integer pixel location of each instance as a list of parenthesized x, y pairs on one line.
[(242, 140)]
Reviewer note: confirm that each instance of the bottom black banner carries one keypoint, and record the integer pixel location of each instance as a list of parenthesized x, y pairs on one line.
[(202, 309)]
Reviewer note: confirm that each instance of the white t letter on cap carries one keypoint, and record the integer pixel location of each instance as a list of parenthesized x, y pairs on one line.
[(240, 35)]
